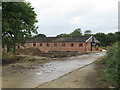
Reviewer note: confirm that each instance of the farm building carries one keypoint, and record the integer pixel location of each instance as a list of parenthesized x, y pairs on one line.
[(81, 43)]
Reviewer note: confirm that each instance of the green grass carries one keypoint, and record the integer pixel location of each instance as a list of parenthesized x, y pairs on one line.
[(111, 67)]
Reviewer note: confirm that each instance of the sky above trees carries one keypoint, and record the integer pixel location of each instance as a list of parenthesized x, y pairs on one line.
[(64, 16)]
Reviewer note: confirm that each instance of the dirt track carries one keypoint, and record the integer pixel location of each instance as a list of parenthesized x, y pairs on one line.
[(35, 74), (82, 78)]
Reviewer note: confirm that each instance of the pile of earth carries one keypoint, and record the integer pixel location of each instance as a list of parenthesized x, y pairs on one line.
[(9, 58), (27, 51), (57, 54), (37, 52)]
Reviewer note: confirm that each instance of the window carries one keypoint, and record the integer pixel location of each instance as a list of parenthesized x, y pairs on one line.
[(48, 44), (41, 44), (55, 45), (34, 44), (72, 44), (80, 45), (63, 45)]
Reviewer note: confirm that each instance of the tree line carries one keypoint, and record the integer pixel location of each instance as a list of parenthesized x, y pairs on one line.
[(105, 39)]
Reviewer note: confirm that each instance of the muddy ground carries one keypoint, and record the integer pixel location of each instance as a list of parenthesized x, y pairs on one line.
[(85, 77), (33, 74), (37, 52), (29, 54)]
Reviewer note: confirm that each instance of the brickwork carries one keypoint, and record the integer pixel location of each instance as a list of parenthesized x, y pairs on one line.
[(67, 46)]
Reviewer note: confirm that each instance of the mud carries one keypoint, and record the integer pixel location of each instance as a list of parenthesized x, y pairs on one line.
[(37, 52), (31, 75), (81, 78)]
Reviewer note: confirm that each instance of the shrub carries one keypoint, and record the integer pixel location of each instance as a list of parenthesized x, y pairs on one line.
[(8, 58), (112, 65)]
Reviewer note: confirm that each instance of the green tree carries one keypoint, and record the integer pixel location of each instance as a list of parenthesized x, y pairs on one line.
[(87, 32), (111, 38), (39, 35), (18, 23), (107, 39), (117, 35), (63, 35), (76, 32), (102, 38)]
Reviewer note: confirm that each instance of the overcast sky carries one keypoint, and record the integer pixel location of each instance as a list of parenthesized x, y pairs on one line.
[(64, 16)]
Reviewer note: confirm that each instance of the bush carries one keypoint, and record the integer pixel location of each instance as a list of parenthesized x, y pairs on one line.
[(112, 65), (8, 58)]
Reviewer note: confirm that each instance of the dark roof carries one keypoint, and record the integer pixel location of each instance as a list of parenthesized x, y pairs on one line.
[(59, 39)]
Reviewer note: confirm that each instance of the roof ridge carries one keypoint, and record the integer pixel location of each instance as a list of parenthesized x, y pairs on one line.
[(60, 39), (65, 37)]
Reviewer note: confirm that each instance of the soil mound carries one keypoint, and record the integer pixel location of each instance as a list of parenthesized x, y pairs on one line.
[(28, 51)]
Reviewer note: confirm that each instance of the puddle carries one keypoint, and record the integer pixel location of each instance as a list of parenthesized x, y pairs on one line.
[(39, 73)]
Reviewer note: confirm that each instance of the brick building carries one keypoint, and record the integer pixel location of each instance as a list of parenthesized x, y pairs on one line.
[(81, 43)]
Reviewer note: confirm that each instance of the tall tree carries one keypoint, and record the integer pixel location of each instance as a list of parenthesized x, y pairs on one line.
[(18, 23), (117, 35), (111, 38), (39, 35), (76, 32), (87, 32), (102, 38)]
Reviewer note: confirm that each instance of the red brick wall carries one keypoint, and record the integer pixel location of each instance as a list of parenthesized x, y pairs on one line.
[(88, 47), (44, 47)]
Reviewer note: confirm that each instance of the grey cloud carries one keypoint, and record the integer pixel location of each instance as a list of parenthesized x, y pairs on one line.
[(84, 18)]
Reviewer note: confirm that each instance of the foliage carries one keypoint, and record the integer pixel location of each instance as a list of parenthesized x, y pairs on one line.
[(76, 32), (18, 23), (102, 38), (112, 65), (107, 39), (39, 35), (87, 32), (8, 58), (63, 35)]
